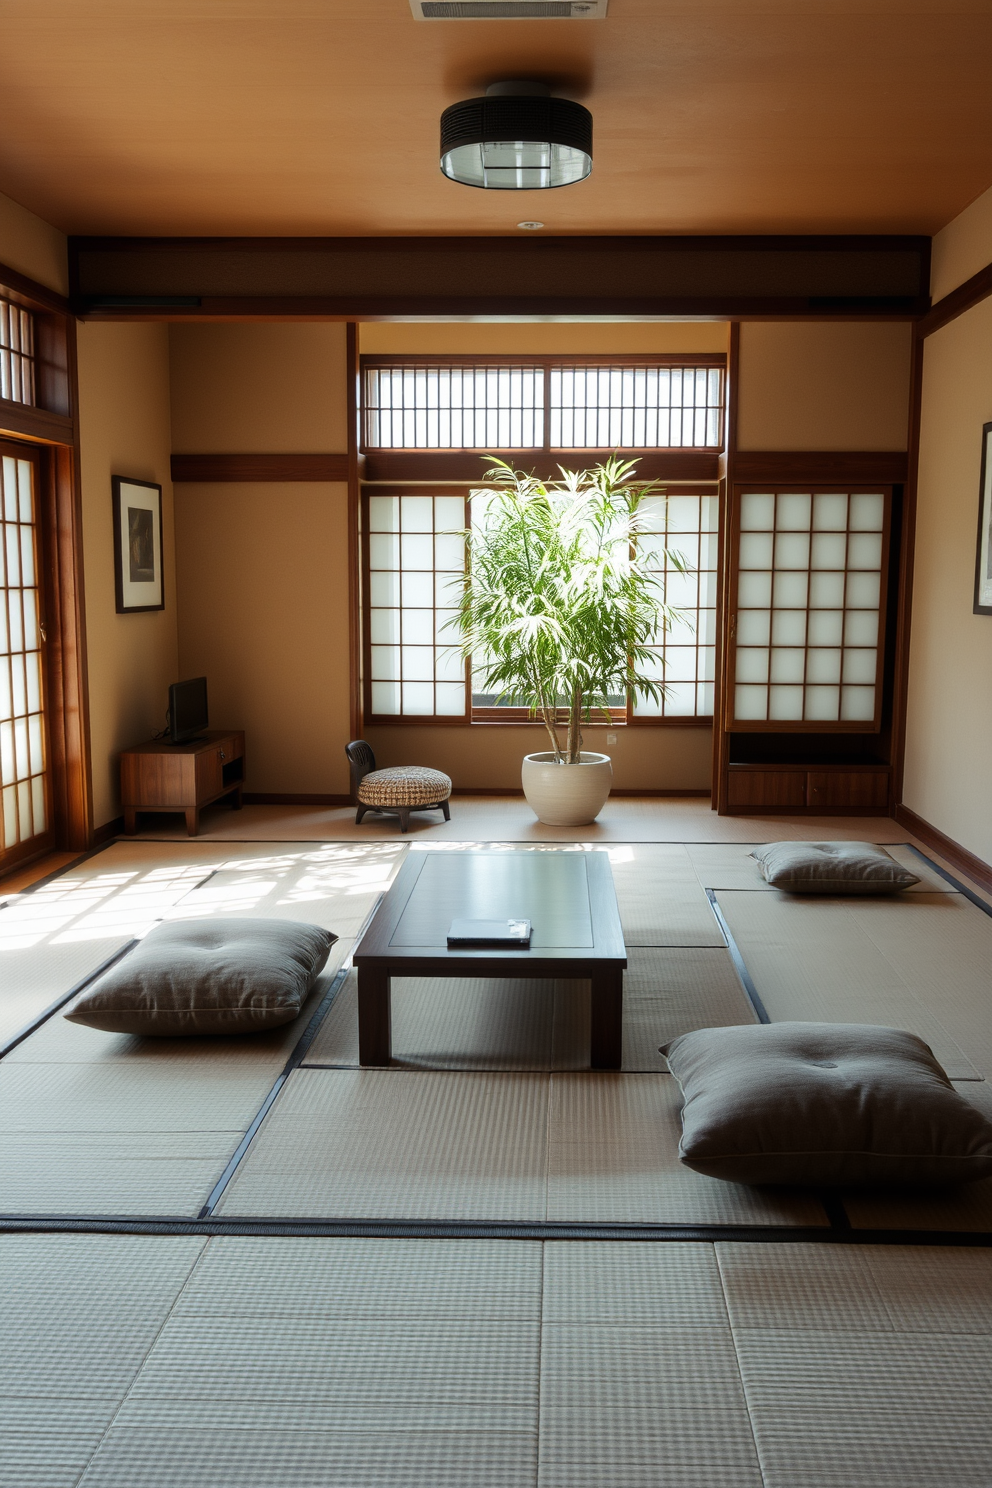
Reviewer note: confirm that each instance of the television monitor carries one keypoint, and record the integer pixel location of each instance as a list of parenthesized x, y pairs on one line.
[(187, 710)]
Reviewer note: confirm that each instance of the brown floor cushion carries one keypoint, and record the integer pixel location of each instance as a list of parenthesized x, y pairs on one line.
[(823, 1103), (832, 868), (208, 976)]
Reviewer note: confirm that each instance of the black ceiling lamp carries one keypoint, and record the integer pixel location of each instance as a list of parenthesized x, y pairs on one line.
[(516, 138)]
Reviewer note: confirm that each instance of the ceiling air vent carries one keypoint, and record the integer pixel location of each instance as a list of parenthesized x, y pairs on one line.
[(509, 10)]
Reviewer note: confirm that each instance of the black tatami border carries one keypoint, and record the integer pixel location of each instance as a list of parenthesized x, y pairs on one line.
[(838, 1229)]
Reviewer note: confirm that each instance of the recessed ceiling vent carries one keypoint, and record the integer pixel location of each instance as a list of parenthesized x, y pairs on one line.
[(509, 10)]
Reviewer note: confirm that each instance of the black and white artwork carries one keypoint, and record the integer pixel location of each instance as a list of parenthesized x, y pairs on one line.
[(137, 545)]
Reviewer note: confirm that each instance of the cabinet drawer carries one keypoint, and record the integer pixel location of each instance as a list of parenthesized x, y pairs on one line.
[(766, 788), (858, 789)]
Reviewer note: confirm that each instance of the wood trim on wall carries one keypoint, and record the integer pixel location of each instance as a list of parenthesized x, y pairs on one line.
[(849, 276), (822, 467), (967, 295), (907, 558), (468, 466), (203, 469), (30, 293), (39, 424), (355, 598), (967, 862), (728, 466)]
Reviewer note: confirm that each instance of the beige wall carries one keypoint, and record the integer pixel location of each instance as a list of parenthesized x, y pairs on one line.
[(962, 248), (263, 614), (481, 757), (33, 247), (263, 569), (546, 338), (124, 430), (948, 781), (259, 388), (838, 385)]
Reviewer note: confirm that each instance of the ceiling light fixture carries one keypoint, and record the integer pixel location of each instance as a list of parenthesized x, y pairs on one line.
[(533, 226), (516, 138)]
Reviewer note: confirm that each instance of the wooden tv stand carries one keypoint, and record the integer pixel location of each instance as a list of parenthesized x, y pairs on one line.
[(159, 776)]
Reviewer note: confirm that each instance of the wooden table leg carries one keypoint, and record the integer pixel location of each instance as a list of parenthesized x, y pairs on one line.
[(130, 819), (374, 1031), (192, 821), (606, 1023)]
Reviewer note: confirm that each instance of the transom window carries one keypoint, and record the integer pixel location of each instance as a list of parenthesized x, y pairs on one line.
[(543, 404), (16, 353), (415, 564)]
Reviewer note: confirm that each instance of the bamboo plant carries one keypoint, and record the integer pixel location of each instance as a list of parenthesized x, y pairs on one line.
[(560, 607)]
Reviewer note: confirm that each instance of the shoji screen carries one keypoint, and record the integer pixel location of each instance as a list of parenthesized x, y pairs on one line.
[(808, 609)]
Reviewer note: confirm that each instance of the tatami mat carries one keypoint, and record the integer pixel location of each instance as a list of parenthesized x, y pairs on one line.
[(314, 1277), (321, 1456), (817, 961), (635, 1283), (482, 819), (33, 977), (518, 1024), (613, 1158), (857, 1288), (643, 1407), (943, 952), (868, 1409), (393, 1144), (115, 1173), (47, 1443), (660, 900), (332, 884), (270, 1374), (182, 1095), (451, 1023), (79, 1314), (728, 865)]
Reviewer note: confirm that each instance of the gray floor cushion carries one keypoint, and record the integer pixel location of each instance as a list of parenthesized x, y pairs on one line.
[(823, 1103), (832, 868), (208, 976)]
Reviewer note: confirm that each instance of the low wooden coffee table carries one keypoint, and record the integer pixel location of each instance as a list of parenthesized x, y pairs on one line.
[(568, 897)]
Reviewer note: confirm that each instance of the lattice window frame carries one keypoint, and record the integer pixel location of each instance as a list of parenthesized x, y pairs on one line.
[(710, 367), (865, 725)]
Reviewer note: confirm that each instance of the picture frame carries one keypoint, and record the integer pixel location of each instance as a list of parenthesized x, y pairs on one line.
[(983, 555), (137, 545)]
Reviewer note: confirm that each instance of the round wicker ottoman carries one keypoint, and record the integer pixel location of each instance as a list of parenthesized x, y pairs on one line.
[(398, 790)]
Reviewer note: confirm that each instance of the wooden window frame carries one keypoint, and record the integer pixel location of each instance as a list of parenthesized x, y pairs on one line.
[(489, 717), (731, 723), (555, 453), (50, 427)]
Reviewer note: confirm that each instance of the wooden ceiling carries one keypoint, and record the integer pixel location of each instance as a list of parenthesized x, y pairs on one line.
[(285, 117)]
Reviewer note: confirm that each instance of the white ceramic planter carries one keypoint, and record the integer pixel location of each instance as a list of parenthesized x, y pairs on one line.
[(566, 795)]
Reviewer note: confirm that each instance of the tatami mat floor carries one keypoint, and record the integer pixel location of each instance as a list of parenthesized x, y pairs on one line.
[(221, 1363), (236, 1361)]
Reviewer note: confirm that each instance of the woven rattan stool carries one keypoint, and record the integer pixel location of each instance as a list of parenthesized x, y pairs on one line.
[(396, 791)]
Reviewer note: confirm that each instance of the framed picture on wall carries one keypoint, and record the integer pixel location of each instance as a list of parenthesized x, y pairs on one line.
[(983, 561), (137, 545)]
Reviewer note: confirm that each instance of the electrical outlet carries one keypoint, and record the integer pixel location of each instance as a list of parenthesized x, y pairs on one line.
[(611, 738)]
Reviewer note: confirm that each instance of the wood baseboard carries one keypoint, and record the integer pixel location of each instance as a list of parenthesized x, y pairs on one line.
[(503, 790), (108, 831), (975, 868)]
